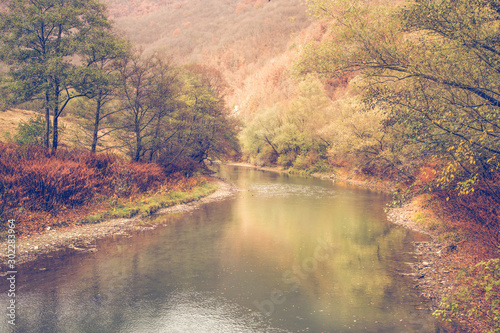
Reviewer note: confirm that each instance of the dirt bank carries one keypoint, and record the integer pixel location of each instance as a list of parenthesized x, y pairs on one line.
[(82, 237)]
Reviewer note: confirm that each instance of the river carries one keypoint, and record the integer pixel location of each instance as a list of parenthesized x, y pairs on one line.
[(286, 254)]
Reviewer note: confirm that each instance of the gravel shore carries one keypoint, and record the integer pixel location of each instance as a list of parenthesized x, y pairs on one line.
[(430, 272), (439, 261), (81, 238)]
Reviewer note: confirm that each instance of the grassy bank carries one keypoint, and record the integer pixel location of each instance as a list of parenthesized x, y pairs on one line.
[(149, 204)]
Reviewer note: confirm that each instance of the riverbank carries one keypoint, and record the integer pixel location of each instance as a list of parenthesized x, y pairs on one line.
[(449, 253), (82, 238)]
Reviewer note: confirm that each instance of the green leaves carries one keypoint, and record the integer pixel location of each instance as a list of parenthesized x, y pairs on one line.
[(30, 132), (289, 132), (477, 297), (42, 42), (433, 65)]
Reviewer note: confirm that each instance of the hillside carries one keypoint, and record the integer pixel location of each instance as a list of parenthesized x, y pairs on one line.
[(198, 30), (239, 38)]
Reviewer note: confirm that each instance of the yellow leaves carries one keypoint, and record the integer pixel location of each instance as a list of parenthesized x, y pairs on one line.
[(467, 187)]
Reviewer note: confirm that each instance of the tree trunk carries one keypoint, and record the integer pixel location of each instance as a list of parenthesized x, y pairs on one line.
[(55, 127), (138, 142), (96, 125), (47, 121), (271, 144), (55, 135)]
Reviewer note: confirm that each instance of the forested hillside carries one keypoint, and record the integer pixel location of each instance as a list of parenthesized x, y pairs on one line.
[(238, 38), (406, 92), (162, 119)]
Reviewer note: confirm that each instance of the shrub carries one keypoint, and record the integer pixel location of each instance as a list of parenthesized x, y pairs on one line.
[(478, 210), (34, 186), (101, 163), (10, 152), (31, 132), (187, 167), (478, 296), (135, 177), (52, 184)]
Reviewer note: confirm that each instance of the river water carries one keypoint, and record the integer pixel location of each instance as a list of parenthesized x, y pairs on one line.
[(286, 254)]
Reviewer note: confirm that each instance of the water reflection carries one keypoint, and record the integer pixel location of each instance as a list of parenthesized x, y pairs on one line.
[(287, 254)]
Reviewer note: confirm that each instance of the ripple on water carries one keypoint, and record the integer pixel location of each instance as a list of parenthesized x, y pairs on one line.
[(191, 311), (291, 190)]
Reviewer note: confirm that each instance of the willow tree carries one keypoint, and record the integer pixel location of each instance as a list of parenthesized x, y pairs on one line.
[(43, 42), (433, 65)]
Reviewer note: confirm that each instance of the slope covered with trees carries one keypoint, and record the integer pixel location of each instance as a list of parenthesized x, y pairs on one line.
[(65, 55), (237, 38)]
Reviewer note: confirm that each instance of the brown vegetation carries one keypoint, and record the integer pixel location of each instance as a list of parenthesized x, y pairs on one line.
[(236, 38), (41, 190)]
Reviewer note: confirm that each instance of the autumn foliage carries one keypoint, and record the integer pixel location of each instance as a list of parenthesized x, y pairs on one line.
[(481, 207), (36, 186)]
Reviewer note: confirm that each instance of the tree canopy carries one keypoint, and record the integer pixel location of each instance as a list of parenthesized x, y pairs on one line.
[(45, 44), (434, 65)]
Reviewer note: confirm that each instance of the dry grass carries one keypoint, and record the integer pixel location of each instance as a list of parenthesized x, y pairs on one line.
[(71, 135), (10, 119)]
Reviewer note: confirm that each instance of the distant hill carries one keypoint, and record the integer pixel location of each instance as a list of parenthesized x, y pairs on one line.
[(238, 37), (193, 28)]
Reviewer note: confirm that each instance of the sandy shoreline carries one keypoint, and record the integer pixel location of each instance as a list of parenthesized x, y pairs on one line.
[(82, 238)]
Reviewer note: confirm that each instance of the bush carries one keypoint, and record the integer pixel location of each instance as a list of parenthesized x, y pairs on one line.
[(101, 163), (478, 297), (478, 210), (51, 184), (31, 132), (34, 186), (187, 167), (13, 153), (134, 177)]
